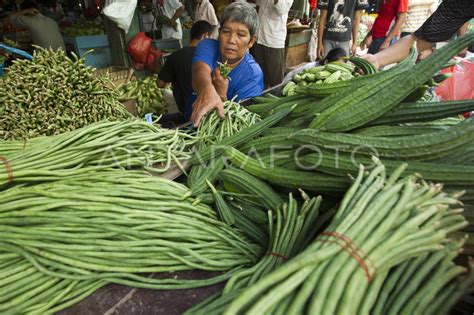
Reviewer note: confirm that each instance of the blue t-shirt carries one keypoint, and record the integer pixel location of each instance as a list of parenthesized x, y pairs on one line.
[(246, 80)]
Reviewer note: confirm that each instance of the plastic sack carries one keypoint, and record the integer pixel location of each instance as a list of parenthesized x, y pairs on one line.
[(154, 60), (460, 85), (121, 12), (139, 47), (312, 46)]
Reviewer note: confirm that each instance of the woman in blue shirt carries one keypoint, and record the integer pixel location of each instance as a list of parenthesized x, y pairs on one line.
[(237, 34)]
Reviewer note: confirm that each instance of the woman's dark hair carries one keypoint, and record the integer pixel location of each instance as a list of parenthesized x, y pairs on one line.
[(200, 28), (334, 55)]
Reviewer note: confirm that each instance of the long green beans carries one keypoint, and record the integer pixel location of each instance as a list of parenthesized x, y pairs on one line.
[(293, 227), (126, 144), (108, 227), (52, 94), (382, 223), (213, 129)]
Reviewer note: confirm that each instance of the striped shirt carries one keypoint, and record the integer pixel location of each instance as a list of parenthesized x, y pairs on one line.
[(418, 12)]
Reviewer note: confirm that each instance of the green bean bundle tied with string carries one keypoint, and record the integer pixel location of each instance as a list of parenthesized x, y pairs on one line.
[(52, 94), (121, 144), (109, 227), (384, 225)]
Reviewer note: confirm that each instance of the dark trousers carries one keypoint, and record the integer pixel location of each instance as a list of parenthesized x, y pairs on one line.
[(272, 62)]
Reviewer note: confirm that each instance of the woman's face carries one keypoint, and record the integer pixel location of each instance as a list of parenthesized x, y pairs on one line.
[(234, 41)]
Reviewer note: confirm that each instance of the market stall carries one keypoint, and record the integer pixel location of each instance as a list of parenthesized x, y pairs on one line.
[(329, 194)]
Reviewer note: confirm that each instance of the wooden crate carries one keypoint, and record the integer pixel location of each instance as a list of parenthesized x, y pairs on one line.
[(118, 75)]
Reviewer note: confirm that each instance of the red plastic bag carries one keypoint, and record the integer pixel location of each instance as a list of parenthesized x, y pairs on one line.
[(460, 85), (139, 47), (153, 60)]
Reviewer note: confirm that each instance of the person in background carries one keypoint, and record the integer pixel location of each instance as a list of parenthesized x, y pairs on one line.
[(387, 25), (450, 16), (44, 30), (177, 68), (54, 10), (269, 52), (418, 12), (313, 8), (338, 24), (172, 10), (205, 12), (237, 34), (461, 31), (335, 54)]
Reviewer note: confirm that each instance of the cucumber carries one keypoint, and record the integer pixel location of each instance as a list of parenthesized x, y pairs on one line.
[(207, 173), (417, 147), (333, 77), (247, 183), (252, 212), (343, 164), (428, 111), (390, 95), (356, 94), (396, 131), (222, 208), (364, 65), (287, 178)]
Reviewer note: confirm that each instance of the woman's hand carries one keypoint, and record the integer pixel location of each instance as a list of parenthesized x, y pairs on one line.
[(373, 59), (320, 50), (205, 102), (220, 83)]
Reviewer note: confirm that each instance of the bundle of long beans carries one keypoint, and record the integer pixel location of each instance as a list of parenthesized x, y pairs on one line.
[(213, 129), (107, 228), (293, 227), (124, 144), (52, 94), (380, 225)]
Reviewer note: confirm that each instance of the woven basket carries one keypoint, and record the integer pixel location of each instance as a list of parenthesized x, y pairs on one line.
[(118, 75)]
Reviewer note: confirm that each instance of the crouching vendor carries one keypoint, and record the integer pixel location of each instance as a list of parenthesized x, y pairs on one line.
[(223, 68)]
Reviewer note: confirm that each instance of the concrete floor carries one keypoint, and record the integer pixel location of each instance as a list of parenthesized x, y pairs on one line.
[(118, 299)]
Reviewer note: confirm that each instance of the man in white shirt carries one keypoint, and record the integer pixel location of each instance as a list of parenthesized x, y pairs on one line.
[(205, 12), (173, 10), (269, 52), (418, 12)]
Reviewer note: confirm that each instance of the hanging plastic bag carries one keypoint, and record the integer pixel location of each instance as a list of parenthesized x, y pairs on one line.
[(154, 60), (139, 47), (312, 46), (121, 12), (459, 85)]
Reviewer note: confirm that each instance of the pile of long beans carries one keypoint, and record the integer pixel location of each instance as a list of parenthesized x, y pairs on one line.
[(383, 224), (120, 144), (213, 129), (108, 227), (293, 227), (52, 94)]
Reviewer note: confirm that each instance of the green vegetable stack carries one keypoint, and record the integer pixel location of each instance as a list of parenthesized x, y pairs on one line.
[(330, 73), (52, 94), (149, 96), (213, 129), (83, 30), (108, 227)]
